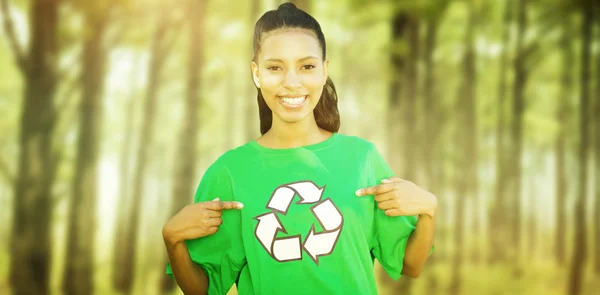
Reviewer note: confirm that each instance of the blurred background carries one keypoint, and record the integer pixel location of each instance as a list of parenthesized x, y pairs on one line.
[(111, 111)]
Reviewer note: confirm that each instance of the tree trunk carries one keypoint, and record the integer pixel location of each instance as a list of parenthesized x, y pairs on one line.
[(430, 143), (78, 275), (429, 105), (459, 233), (183, 178), (440, 185), (251, 106), (124, 275), (230, 99), (471, 127), (5, 204), (30, 247), (466, 103), (566, 85), (498, 232), (124, 203), (580, 247), (597, 182), (532, 225), (409, 109), (399, 25), (461, 183), (518, 109)]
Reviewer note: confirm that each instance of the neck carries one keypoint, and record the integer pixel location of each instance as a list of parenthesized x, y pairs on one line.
[(290, 135)]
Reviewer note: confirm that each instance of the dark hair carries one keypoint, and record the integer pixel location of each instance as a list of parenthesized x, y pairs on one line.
[(289, 16)]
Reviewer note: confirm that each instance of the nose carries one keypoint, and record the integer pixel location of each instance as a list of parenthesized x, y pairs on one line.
[(292, 80)]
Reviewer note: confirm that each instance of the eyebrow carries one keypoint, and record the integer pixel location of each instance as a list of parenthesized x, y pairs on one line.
[(281, 61)]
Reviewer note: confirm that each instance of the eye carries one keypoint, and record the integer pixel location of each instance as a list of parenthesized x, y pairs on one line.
[(309, 67), (273, 68)]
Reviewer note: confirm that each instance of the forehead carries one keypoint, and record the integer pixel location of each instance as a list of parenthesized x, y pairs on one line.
[(289, 44)]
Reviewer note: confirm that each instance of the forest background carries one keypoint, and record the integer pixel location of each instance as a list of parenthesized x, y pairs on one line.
[(111, 111)]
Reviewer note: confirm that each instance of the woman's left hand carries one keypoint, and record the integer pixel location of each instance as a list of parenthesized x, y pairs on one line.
[(399, 197)]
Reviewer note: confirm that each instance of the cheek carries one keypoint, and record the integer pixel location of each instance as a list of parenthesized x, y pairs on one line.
[(271, 78), (315, 84), (313, 81)]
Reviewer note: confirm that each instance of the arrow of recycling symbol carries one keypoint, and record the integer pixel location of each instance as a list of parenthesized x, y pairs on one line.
[(315, 244)]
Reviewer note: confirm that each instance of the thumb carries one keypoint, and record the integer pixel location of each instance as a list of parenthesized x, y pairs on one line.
[(216, 199)]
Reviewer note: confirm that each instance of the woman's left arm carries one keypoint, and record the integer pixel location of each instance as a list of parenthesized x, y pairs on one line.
[(399, 197), (419, 246)]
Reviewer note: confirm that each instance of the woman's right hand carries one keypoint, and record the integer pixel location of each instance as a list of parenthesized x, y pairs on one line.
[(197, 220)]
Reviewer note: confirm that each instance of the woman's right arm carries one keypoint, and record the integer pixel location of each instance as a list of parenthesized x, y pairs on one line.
[(192, 222), (189, 276)]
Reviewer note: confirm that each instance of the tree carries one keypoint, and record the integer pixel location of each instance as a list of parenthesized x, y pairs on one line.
[(124, 273), (471, 122), (408, 108), (566, 85), (78, 275), (532, 187), (403, 106), (124, 185), (30, 246), (397, 60), (498, 230), (597, 151), (431, 106), (250, 105), (183, 177), (580, 247), (521, 76), (399, 24), (466, 106), (432, 120), (409, 104)]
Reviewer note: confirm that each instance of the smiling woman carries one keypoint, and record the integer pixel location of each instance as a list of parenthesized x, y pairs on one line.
[(245, 228), (290, 71), (290, 76)]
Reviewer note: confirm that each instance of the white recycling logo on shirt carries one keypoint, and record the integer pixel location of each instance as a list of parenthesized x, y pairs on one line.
[(290, 248)]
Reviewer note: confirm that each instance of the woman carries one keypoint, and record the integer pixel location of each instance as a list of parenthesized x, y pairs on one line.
[(302, 209)]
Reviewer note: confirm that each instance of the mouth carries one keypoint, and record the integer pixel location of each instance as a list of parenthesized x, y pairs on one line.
[(294, 101)]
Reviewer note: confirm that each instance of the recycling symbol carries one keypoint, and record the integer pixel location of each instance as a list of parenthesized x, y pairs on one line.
[(290, 248)]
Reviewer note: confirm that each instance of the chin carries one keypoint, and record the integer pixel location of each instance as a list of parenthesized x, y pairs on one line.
[(293, 119)]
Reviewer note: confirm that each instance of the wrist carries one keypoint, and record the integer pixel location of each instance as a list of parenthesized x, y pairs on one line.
[(430, 207), (427, 214), (170, 237)]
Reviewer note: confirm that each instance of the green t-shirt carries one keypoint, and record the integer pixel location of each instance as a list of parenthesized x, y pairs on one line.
[(302, 229)]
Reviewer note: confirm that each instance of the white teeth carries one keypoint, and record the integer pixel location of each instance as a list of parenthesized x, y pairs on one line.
[(294, 100)]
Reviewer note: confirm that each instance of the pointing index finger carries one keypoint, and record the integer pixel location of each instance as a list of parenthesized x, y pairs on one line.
[(375, 190), (223, 205)]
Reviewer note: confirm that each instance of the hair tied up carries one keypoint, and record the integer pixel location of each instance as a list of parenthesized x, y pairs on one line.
[(287, 5), (289, 16)]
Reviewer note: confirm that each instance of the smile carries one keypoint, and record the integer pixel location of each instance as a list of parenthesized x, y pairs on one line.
[(293, 102)]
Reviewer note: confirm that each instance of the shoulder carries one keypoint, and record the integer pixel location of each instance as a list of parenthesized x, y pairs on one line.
[(356, 143), (233, 157), (221, 165)]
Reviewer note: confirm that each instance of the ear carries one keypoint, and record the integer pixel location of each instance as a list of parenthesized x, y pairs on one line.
[(254, 69), (325, 71)]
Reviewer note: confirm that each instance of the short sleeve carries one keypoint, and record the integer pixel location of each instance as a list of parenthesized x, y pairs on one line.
[(391, 233), (221, 255)]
